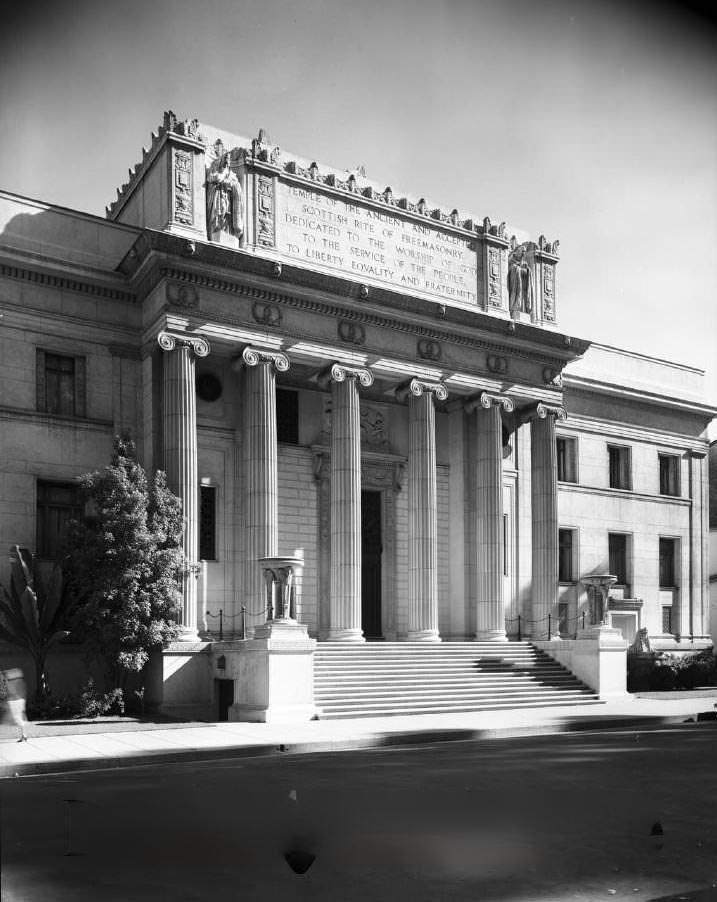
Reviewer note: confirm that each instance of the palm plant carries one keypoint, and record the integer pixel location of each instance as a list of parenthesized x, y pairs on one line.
[(33, 612)]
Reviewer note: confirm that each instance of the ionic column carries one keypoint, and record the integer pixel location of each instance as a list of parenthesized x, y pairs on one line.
[(422, 509), (544, 503), (488, 482), (345, 503), (180, 456), (260, 473)]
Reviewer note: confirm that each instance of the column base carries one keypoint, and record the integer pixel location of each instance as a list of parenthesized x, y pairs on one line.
[(424, 636), (491, 635), (187, 634), (345, 635)]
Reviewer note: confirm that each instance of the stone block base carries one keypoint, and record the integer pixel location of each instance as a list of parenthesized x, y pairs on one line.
[(273, 674)]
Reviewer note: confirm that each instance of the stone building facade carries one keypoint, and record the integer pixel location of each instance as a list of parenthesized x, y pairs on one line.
[(321, 363)]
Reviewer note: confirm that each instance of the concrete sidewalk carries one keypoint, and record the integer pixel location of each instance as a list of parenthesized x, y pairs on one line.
[(129, 745)]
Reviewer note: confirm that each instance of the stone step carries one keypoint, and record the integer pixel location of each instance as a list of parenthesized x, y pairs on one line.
[(335, 713), (381, 679)]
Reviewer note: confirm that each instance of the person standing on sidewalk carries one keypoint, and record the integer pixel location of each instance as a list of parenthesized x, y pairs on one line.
[(15, 695)]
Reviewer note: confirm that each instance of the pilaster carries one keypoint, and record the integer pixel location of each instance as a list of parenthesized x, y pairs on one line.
[(180, 456)]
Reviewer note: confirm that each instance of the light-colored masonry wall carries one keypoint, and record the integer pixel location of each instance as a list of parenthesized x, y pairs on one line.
[(628, 419)]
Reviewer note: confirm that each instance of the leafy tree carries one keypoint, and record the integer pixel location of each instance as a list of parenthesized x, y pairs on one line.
[(124, 564), (33, 613)]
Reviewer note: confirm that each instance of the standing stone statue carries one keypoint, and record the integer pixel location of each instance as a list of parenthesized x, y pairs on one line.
[(225, 200), (520, 282)]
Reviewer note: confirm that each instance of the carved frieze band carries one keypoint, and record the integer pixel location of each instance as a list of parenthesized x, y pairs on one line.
[(254, 356), (351, 332), (429, 349), (168, 341), (338, 372), (487, 400), (266, 314), (418, 387), (181, 295)]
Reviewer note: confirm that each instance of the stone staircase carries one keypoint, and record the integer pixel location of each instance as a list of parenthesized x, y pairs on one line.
[(378, 679)]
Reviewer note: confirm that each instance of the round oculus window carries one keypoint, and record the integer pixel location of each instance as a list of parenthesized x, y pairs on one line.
[(209, 388)]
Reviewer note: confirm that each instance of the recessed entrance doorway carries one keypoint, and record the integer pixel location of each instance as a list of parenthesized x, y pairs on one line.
[(371, 549)]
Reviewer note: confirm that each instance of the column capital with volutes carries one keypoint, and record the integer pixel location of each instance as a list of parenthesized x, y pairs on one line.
[(418, 387), (487, 400), (255, 356), (168, 341), (541, 411), (339, 372)]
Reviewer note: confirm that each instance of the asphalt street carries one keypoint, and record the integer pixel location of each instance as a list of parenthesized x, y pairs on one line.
[(582, 817)]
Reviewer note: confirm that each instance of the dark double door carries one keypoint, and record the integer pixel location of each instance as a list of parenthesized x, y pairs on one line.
[(371, 547)]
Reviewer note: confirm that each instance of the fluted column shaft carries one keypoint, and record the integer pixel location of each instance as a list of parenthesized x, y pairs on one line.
[(260, 475), (490, 611), (345, 503), (544, 502), (180, 456), (422, 511)]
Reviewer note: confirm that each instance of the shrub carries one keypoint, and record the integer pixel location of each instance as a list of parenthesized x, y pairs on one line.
[(51, 708), (124, 565), (94, 703), (662, 671)]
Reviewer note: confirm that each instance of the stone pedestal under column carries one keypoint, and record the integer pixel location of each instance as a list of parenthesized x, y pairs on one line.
[(180, 456), (490, 613), (544, 498), (345, 577), (422, 510), (260, 476)]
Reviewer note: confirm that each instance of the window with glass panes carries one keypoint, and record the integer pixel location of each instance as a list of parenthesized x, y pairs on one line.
[(617, 554), (566, 458), (60, 384), (667, 563), (669, 465), (57, 504), (619, 464)]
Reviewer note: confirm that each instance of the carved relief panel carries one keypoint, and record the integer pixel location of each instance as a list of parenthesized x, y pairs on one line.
[(182, 187), (265, 226)]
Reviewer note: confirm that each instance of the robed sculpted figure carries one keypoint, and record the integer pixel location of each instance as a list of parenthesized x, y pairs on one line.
[(520, 282), (225, 200)]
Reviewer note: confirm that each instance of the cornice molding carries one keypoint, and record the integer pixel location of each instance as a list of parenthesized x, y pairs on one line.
[(65, 283), (369, 318), (617, 430), (642, 396), (622, 494), (26, 415)]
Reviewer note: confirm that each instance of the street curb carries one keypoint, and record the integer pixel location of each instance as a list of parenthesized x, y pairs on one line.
[(366, 742)]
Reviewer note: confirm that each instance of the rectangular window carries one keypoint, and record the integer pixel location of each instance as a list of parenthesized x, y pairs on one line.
[(669, 474), (567, 457), (287, 416), (667, 563), (566, 548), (617, 554), (57, 504), (207, 523), (667, 619), (620, 476), (60, 384)]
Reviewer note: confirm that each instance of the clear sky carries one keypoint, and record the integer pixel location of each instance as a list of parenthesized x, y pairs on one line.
[(594, 123)]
